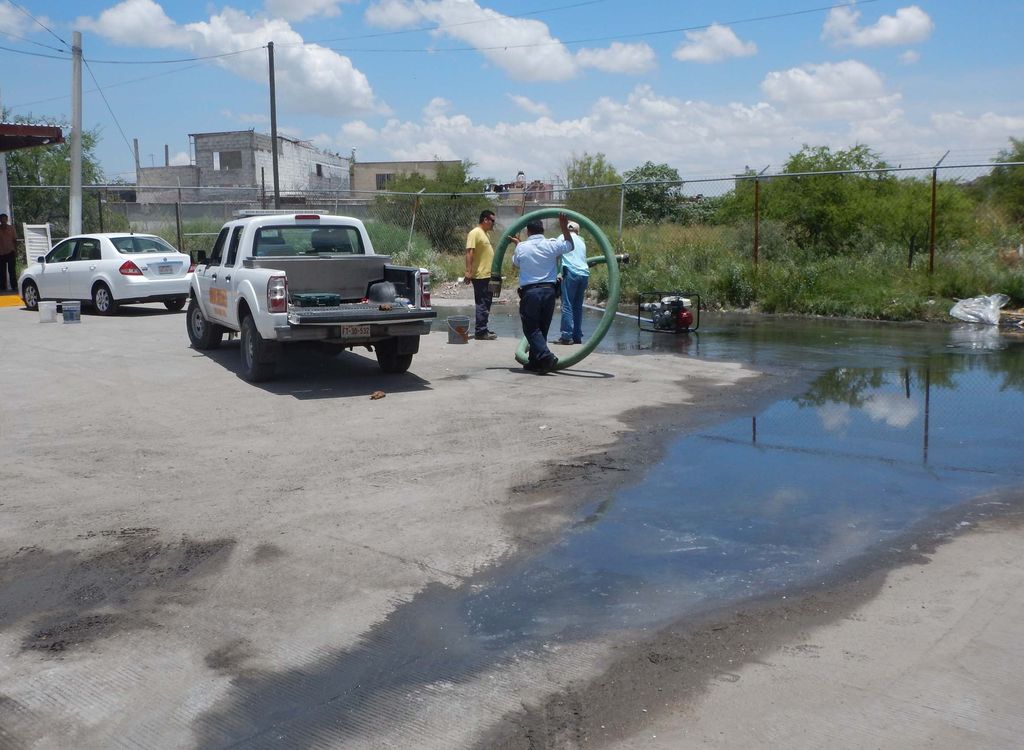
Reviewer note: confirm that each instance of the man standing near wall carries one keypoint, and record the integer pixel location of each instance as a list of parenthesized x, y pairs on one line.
[(8, 252), (479, 257)]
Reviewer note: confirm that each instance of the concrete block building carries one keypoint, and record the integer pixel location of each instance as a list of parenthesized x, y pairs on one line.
[(373, 176), (227, 165)]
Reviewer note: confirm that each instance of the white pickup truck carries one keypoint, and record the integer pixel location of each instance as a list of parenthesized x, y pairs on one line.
[(288, 279)]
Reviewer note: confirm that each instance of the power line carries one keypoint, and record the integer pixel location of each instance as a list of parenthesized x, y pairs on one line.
[(66, 45), (109, 108), (36, 54), (110, 86), (180, 59), (445, 26), (657, 32), (29, 41)]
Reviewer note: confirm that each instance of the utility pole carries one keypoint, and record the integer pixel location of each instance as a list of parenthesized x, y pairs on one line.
[(273, 125), (75, 206)]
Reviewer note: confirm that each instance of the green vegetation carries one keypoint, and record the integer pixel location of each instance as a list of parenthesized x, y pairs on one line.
[(449, 206), (595, 188)]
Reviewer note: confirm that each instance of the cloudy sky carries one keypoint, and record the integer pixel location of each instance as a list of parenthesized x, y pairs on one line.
[(708, 88)]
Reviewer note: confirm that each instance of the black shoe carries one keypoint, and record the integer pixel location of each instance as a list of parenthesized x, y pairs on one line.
[(562, 341), (547, 364), (487, 336), (577, 341)]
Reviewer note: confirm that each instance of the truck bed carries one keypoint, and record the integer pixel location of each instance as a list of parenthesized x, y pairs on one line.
[(347, 275)]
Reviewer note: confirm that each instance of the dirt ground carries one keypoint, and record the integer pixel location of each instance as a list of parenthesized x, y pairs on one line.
[(189, 560)]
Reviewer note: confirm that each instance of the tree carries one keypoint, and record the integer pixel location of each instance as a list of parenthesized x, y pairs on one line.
[(50, 166), (653, 194), (1005, 186), (826, 211), (594, 187), (448, 207)]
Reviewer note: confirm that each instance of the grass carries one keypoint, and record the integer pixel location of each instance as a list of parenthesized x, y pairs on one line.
[(717, 263)]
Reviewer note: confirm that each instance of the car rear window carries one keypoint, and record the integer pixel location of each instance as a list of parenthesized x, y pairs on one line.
[(133, 245), (292, 240)]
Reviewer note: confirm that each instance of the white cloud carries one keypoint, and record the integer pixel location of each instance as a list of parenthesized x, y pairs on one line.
[(713, 44), (298, 10), (848, 89), (618, 58), (989, 126), (529, 105), (909, 26), (893, 409), (13, 21), (181, 159), (309, 78), (523, 48), (910, 57), (138, 23)]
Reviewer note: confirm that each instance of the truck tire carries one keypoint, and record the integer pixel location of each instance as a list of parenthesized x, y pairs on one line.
[(259, 359), (202, 333), (389, 359)]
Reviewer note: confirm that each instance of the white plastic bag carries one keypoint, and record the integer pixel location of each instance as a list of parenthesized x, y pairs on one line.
[(980, 309)]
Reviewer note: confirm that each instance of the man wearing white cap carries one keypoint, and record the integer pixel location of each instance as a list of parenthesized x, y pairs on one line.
[(575, 277)]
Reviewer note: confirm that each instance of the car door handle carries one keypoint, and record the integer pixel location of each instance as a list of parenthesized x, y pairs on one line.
[(227, 278), (213, 276)]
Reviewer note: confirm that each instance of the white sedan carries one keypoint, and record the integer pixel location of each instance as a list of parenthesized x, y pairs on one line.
[(108, 270)]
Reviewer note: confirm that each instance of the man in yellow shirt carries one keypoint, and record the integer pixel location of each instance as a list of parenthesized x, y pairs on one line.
[(479, 257)]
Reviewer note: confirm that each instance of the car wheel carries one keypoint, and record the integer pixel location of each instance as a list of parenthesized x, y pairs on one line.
[(389, 359), (174, 305), (30, 294), (202, 333), (258, 359), (103, 300)]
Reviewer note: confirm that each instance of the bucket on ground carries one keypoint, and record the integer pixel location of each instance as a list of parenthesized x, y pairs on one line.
[(458, 329), (72, 310), (48, 312)]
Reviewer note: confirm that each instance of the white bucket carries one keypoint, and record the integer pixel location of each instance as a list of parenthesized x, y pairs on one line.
[(72, 310), (48, 312), (458, 329)]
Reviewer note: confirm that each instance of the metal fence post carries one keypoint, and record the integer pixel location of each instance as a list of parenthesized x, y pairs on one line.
[(757, 217), (931, 222), (622, 209), (99, 205)]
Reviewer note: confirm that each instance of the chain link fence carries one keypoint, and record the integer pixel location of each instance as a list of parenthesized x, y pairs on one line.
[(778, 242)]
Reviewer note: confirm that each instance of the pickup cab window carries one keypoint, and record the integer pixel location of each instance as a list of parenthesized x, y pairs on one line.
[(233, 247), (218, 248), (287, 241)]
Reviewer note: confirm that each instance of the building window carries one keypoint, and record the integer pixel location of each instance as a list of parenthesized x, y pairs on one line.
[(227, 161), (319, 170), (383, 180)]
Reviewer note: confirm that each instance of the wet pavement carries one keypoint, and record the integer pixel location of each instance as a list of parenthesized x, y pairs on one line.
[(897, 423)]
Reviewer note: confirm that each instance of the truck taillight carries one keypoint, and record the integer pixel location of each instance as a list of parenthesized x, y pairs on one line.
[(277, 294), (424, 287), (128, 268)]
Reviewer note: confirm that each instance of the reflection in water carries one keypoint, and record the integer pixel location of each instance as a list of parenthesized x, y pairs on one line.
[(773, 499), (901, 422)]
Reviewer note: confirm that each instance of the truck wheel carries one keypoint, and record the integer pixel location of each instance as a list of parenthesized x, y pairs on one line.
[(258, 362), (202, 333), (388, 357)]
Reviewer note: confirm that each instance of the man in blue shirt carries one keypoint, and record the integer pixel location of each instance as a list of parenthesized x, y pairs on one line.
[(537, 259), (575, 277)]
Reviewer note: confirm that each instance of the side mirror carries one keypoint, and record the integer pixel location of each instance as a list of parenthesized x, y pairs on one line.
[(201, 258), (41, 259)]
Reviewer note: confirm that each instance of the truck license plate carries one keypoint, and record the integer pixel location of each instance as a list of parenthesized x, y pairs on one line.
[(360, 330)]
